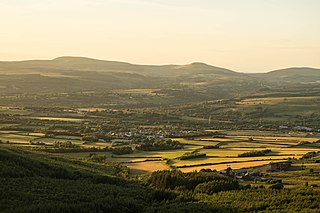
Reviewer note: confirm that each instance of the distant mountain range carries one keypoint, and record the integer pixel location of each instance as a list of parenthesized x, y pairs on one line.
[(65, 74)]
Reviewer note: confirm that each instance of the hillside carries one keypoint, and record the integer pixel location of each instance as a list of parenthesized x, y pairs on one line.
[(199, 80), (67, 63), (295, 75), (72, 74), (37, 182)]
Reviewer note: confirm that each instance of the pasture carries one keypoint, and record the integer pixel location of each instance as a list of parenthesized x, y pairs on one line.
[(283, 147), (59, 119)]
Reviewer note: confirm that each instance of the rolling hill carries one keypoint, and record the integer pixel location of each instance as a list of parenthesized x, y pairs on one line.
[(294, 75), (72, 74)]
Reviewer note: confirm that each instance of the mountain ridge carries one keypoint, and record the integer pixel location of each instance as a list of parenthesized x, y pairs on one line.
[(199, 65), (68, 73)]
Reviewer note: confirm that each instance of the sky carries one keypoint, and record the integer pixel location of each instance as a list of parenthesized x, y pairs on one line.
[(242, 35)]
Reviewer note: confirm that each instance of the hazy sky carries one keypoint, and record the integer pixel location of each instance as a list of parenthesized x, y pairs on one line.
[(244, 35)]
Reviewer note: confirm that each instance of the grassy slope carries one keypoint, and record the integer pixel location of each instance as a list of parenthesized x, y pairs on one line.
[(34, 182)]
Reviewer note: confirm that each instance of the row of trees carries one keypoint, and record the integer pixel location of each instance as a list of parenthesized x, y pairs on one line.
[(173, 179), (255, 153), (192, 155), (162, 144)]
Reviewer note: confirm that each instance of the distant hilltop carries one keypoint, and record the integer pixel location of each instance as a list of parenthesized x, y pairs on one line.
[(82, 61), (69, 73)]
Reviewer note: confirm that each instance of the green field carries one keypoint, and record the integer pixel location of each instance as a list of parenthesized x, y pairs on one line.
[(226, 156)]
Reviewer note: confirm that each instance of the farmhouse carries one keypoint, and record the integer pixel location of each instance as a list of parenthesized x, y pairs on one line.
[(303, 128), (249, 176), (283, 128), (228, 172), (117, 142), (120, 141)]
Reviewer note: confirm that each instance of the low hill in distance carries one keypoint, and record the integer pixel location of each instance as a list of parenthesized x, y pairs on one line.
[(202, 81), (294, 75)]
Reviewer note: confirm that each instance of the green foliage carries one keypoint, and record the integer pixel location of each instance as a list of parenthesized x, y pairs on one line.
[(273, 181), (173, 179), (216, 186), (192, 155), (190, 207), (255, 153), (34, 182), (310, 155), (122, 150), (73, 150), (67, 144), (211, 147), (277, 186), (162, 144), (90, 138), (97, 158), (37, 143), (266, 200), (40, 194), (19, 164)]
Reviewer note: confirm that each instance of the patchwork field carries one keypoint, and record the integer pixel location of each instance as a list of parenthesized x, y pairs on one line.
[(282, 148), (58, 119), (240, 165), (255, 101), (226, 154), (146, 167), (25, 138)]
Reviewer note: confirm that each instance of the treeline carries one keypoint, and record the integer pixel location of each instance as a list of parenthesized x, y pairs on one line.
[(72, 150), (255, 153), (192, 155), (66, 144), (121, 150), (156, 145), (216, 186), (211, 146), (176, 179), (69, 147), (310, 155), (266, 200)]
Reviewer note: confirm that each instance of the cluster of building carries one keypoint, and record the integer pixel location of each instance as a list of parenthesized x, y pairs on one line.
[(256, 175), (151, 133), (298, 128)]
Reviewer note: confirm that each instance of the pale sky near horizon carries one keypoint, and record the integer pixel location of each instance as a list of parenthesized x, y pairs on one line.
[(243, 35)]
